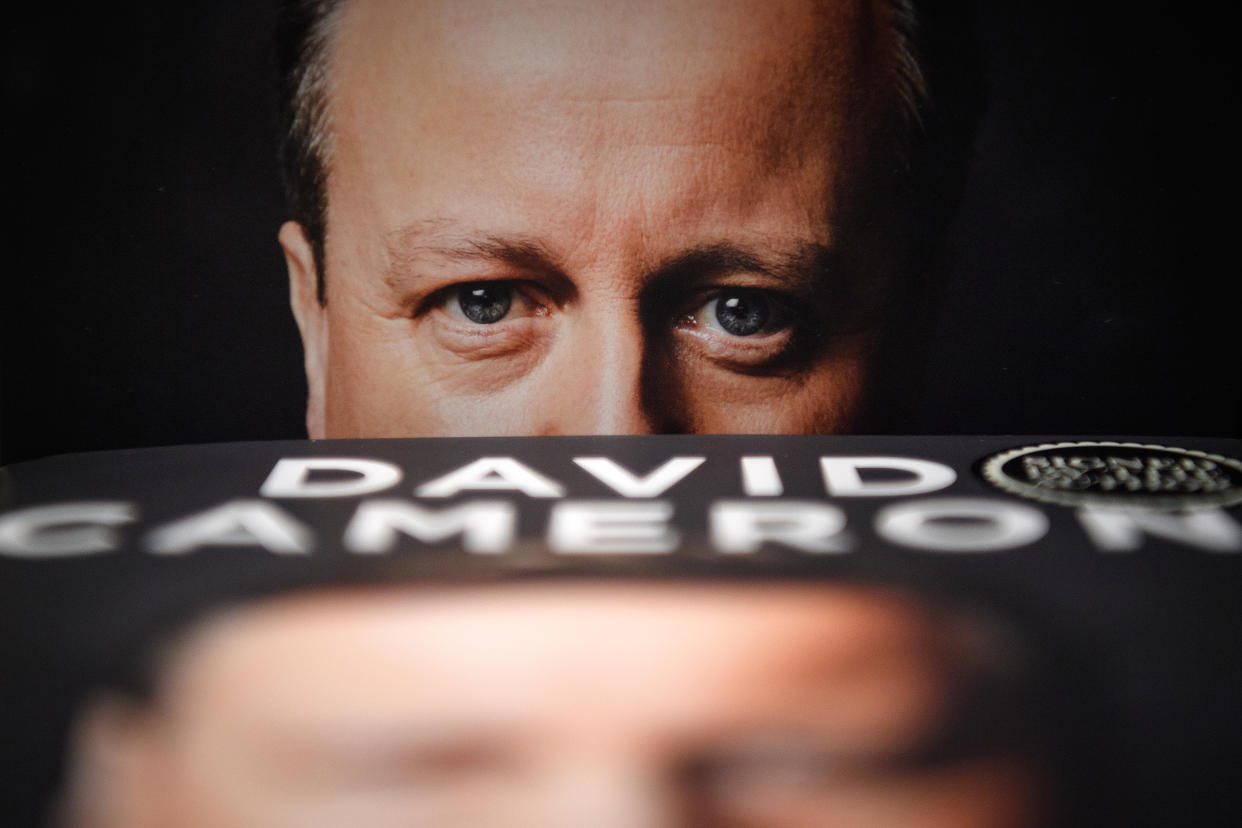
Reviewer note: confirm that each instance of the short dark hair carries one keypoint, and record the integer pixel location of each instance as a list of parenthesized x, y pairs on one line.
[(303, 43), (303, 37)]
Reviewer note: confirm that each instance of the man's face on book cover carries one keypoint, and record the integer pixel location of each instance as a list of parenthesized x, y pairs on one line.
[(635, 705), (551, 218)]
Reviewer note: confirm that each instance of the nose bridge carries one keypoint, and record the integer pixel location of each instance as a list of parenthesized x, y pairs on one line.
[(601, 371)]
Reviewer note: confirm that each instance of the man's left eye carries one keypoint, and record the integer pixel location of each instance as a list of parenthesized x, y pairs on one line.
[(741, 312), (483, 303)]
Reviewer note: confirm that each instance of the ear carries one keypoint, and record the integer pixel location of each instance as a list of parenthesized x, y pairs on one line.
[(111, 774), (312, 319)]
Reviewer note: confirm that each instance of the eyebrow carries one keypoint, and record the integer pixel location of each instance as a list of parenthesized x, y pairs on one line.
[(427, 239), (373, 743), (799, 267)]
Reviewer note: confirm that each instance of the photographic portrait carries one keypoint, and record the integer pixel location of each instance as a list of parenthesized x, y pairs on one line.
[(662, 360), (1069, 277)]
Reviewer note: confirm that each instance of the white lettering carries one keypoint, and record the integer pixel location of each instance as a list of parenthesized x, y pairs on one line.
[(236, 523), (492, 474), (486, 526), (961, 524), (64, 529), (760, 477), (740, 527), (1119, 530), (623, 482), (291, 477), (592, 527), (841, 477)]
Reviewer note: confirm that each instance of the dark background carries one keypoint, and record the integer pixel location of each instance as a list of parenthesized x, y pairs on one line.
[(145, 298), (1093, 292)]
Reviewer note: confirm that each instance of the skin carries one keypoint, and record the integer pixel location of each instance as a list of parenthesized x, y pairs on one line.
[(617, 170), (661, 705)]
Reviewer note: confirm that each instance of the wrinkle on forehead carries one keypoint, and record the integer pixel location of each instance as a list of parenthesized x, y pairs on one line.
[(622, 44), (600, 121), (771, 68)]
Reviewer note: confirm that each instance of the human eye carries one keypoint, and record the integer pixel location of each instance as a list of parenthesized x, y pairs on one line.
[(486, 318), (484, 303), (741, 312), (743, 328)]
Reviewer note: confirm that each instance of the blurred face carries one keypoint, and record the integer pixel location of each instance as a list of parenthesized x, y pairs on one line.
[(567, 218), (654, 706)]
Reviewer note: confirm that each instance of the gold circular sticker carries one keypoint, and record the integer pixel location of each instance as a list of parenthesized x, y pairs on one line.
[(1134, 475)]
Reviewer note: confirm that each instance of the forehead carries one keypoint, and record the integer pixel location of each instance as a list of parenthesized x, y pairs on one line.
[(533, 99), (749, 59), (603, 50), (650, 659)]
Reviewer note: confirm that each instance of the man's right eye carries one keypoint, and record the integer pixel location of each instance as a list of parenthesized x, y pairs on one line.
[(480, 303)]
